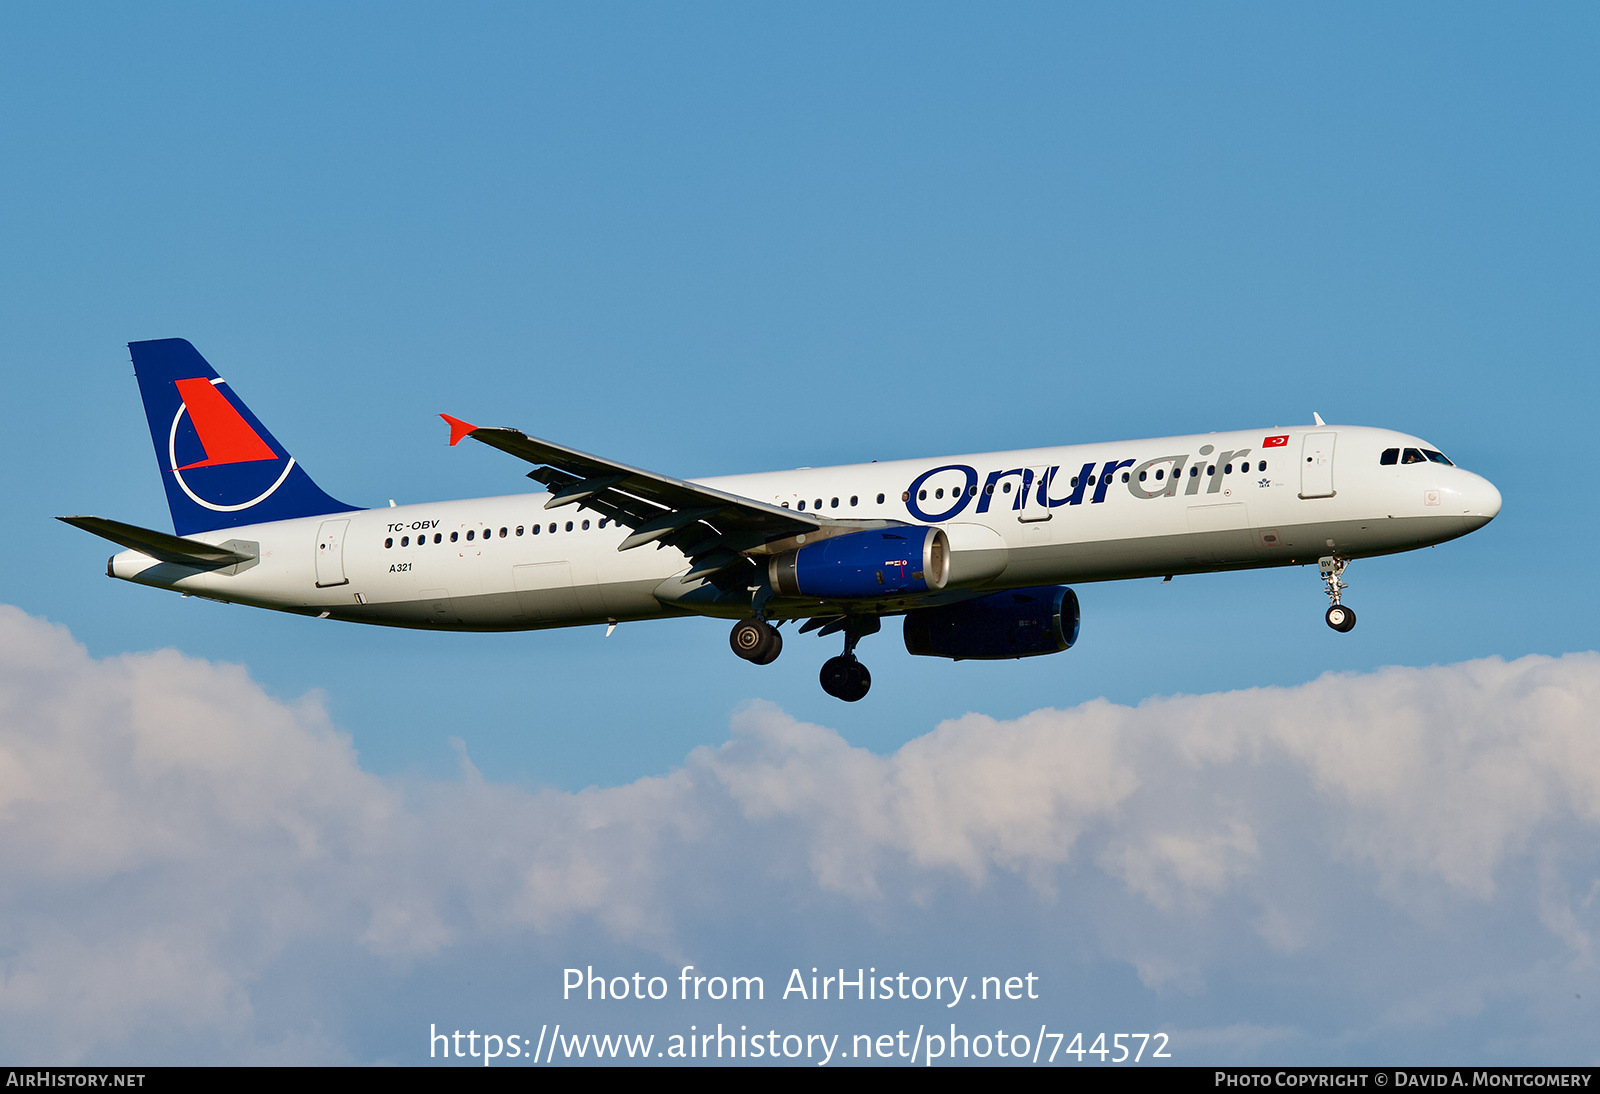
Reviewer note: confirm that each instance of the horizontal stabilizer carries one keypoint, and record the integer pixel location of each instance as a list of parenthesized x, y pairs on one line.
[(159, 545)]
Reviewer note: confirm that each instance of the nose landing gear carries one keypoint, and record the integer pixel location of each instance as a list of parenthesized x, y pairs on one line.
[(756, 640), (1339, 617)]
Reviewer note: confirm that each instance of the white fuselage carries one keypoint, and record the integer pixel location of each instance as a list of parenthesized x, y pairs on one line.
[(1323, 492)]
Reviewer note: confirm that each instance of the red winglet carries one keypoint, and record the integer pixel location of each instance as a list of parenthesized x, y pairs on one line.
[(458, 428)]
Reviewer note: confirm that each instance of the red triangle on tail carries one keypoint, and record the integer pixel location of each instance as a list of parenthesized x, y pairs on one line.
[(224, 434)]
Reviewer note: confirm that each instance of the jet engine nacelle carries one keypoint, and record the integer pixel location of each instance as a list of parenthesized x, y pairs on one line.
[(862, 565), (1001, 626)]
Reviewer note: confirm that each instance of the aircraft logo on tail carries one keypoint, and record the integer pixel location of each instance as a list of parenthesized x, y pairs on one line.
[(225, 439), (220, 465)]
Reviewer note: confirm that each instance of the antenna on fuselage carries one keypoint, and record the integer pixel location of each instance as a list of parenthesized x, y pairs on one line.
[(1317, 418)]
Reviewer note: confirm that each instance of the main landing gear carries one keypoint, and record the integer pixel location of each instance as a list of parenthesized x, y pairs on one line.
[(1339, 617), (756, 640), (844, 677)]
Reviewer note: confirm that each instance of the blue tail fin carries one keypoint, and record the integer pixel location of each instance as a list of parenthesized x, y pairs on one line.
[(219, 464)]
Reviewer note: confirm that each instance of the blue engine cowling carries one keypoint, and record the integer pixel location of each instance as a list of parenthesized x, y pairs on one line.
[(1015, 623), (863, 565)]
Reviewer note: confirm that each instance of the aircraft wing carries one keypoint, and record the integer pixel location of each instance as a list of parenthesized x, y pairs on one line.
[(713, 528), (159, 545)]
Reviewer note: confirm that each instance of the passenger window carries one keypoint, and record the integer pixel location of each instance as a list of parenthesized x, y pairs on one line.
[(519, 529), (1413, 455), (1228, 470), (437, 538), (585, 526), (853, 499), (535, 529), (603, 523), (1074, 482), (802, 505), (1161, 473), (1124, 476), (454, 536), (569, 526), (1263, 466), (880, 499), (502, 533), (552, 527), (1390, 457), (834, 504), (818, 505), (939, 493), (389, 542), (1005, 487), (1194, 471), (922, 495), (786, 505)]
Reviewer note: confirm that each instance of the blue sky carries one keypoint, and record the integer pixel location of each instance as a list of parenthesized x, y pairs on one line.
[(720, 238)]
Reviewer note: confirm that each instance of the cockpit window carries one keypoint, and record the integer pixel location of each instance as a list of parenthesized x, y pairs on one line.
[(1392, 456)]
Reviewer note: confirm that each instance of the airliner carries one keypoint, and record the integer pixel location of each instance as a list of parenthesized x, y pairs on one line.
[(977, 553)]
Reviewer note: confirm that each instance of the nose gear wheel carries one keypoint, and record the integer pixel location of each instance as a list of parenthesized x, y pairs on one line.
[(1339, 617)]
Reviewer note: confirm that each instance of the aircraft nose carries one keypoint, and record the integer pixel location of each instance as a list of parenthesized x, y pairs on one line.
[(1482, 500)]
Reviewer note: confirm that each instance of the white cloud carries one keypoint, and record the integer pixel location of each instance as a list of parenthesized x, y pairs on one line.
[(172, 839)]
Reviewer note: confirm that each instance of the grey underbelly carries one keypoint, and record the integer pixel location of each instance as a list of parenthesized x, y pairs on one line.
[(1227, 549)]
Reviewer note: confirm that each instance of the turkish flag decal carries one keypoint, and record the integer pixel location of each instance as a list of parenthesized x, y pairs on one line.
[(1276, 442)]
